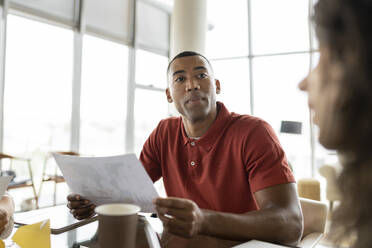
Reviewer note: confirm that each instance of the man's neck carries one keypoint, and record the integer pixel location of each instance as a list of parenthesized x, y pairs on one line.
[(199, 128)]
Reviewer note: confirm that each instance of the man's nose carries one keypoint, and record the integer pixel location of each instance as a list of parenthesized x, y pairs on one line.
[(192, 85)]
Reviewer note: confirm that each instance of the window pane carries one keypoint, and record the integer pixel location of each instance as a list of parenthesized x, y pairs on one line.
[(103, 94), (55, 8), (278, 98), (37, 88), (150, 107), (279, 26), (234, 79), (315, 59), (151, 69), (229, 37)]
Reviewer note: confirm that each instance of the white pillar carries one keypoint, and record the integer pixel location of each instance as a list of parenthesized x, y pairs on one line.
[(76, 80), (188, 26), (3, 25), (131, 93)]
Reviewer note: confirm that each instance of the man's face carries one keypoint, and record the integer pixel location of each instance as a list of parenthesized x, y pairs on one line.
[(323, 88), (192, 87)]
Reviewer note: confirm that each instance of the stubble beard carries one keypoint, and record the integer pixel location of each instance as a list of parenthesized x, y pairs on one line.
[(198, 114)]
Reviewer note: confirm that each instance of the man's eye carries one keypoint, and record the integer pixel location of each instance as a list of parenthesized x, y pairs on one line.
[(202, 75), (179, 79)]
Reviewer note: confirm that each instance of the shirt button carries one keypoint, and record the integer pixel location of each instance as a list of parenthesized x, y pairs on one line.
[(192, 163), (193, 143)]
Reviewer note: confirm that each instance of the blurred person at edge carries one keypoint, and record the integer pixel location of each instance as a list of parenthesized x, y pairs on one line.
[(340, 95)]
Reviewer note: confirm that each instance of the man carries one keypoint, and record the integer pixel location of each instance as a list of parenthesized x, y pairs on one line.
[(226, 174)]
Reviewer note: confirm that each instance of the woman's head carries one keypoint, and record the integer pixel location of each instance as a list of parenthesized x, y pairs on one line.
[(340, 95), (340, 88)]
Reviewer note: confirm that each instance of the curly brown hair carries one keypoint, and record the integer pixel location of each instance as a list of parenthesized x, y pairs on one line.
[(344, 27)]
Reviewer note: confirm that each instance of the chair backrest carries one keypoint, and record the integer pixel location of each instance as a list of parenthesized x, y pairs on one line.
[(49, 158), (315, 215), (11, 159), (2, 155), (71, 153)]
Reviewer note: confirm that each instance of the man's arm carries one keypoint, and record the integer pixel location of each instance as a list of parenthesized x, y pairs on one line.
[(279, 219)]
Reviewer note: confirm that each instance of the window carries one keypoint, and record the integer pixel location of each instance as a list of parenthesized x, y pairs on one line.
[(103, 97), (151, 69), (278, 98), (229, 37), (150, 107), (150, 104), (234, 78), (37, 109), (279, 60), (279, 26)]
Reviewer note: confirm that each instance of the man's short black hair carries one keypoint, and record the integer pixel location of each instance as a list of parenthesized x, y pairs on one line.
[(187, 54)]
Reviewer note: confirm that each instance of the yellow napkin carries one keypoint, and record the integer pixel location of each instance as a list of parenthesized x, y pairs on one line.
[(2, 245), (35, 235)]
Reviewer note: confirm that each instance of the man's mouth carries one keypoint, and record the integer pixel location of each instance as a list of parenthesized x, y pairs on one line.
[(194, 99)]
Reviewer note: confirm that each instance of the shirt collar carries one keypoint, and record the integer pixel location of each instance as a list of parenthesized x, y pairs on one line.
[(217, 126)]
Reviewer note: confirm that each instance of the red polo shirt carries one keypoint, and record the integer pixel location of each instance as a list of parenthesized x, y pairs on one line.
[(238, 156)]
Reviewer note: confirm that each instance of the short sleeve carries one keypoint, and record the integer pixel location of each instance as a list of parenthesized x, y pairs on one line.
[(150, 156), (265, 160)]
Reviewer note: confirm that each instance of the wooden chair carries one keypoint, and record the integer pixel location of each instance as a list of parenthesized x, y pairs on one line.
[(330, 173), (315, 216), (19, 183), (309, 188), (55, 177)]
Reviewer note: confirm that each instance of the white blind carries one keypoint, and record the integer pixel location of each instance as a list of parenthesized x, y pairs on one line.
[(110, 18), (152, 28), (55, 10)]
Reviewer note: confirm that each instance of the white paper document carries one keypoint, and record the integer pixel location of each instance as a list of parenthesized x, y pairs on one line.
[(109, 179), (4, 182)]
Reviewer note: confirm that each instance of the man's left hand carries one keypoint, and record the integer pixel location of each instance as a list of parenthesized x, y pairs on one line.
[(181, 217)]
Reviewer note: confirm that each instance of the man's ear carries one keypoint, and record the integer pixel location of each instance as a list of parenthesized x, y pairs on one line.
[(169, 97), (218, 86)]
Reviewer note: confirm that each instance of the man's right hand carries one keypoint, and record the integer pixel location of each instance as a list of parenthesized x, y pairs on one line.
[(80, 207)]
